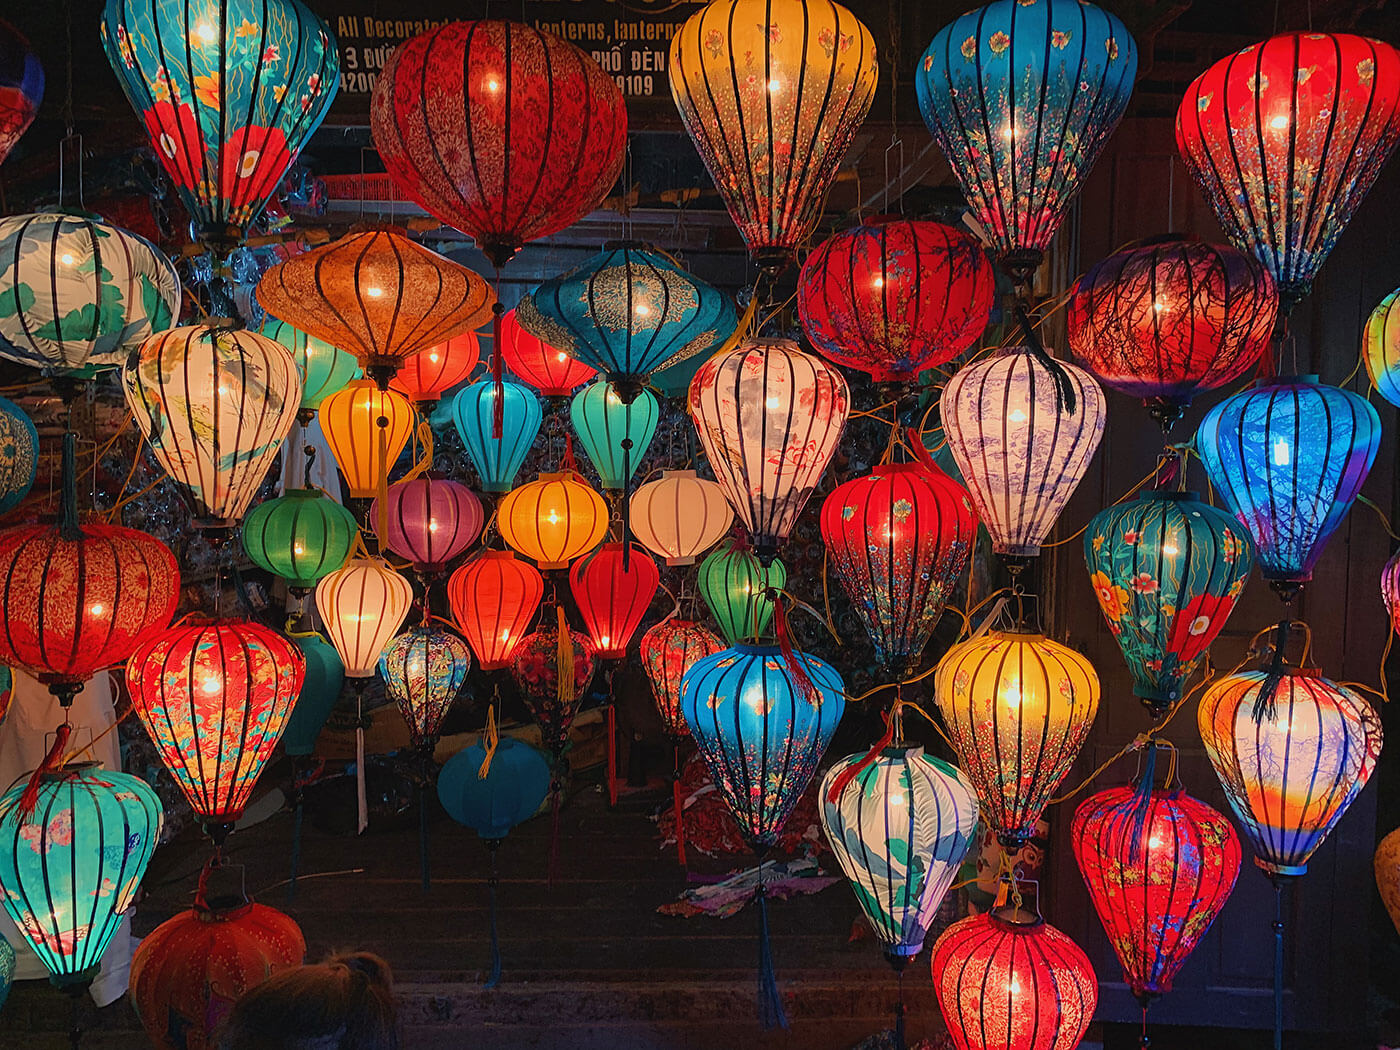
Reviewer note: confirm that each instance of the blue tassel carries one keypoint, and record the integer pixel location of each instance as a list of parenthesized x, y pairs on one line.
[(1142, 801), (492, 883), (770, 1001)]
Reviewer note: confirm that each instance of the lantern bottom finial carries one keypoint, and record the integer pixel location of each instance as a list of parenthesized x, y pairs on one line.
[(1165, 411), (1287, 590)]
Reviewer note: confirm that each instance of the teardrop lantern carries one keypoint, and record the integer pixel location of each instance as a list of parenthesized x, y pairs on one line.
[(431, 521), (1390, 589), (735, 586), (553, 520), (668, 650), (324, 368), (19, 455), (494, 598), (615, 434), (364, 450), (320, 688), (428, 374), (1380, 348), (423, 670), (21, 91), (613, 593), (679, 516), (548, 369), (497, 459), (363, 605), (301, 536), (552, 668)]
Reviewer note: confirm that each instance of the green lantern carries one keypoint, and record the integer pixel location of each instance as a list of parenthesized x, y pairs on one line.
[(300, 536), (734, 584), (613, 433), (324, 368)]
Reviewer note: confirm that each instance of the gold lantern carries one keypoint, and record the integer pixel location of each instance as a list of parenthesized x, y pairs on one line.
[(363, 449), (553, 520)]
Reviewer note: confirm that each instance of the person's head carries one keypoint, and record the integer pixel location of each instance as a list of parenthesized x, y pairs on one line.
[(344, 1003)]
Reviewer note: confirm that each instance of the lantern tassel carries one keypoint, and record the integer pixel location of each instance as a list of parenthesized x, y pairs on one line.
[(564, 659), (490, 740), (839, 782), (492, 883), (678, 802), (361, 798), (1142, 801), (51, 763), (1064, 388), (1264, 704), (423, 838), (770, 1000), (797, 668), (612, 755), (1278, 963)]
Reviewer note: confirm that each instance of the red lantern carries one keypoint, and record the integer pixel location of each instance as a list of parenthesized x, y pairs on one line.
[(613, 593), (668, 651), (494, 597), (428, 374), (551, 371), (430, 520)]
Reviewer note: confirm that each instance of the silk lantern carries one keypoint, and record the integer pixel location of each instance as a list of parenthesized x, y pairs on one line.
[(300, 536), (497, 459), (769, 417), (552, 668), (324, 369), (679, 516), (320, 688), (425, 376), (19, 455), (1386, 863), (431, 521), (613, 591), (228, 93), (494, 597), (1380, 348), (363, 605), (668, 650), (553, 520), (895, 298), (1390, 589), (548, 369), (772, 93), (21, 91), (735, 586), (614, 433), (1287, 457), (1291, 759), (1285, 138), (1022, 96), (423, 670), (1018, 708), (364, 450)]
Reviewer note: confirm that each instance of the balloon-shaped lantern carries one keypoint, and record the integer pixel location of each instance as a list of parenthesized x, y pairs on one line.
[(364, 450), (320, 689), (324, 368), (19, 455), (735, 585), (301, 536), (431, 521), (668, 651), (1380, 348), (423, 670), (552, 669), (1390, 589), (614, 433), (679, 516), (494, 597), (553, 519), (425, 376), (613, 592), (497, 459), (21, 91), (548, 369), (363, 605)]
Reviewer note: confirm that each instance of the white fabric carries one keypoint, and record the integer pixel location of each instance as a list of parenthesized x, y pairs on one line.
[(323, 471)]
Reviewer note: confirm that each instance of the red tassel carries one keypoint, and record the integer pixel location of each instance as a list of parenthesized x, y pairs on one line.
[(50, 764), (678, 800), (796, 667), (852, 771), (612, 755)]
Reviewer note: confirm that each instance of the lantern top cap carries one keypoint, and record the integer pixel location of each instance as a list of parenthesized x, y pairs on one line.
[(677, 474), (1310, 379), (1016, 634), (495, 555), (64, 772)]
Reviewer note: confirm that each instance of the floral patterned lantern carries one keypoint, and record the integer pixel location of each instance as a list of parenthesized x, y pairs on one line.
[(363, 605), (679, 516), (735, 586), (550, 370), (613, 591), (364, 450), (494, 597), (301, 536), (1390, 589), (668, 651), (553, 520), (552, 669), (614, 433), (423, 670), (431, 521), (324, 369), (497, 459), (1380, 348), (425, 376), (229, 93), (21, 91), (19, 455)]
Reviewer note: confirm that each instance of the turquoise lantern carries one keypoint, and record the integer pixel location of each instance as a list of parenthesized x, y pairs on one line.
[(615, 434), (324, 368), (7, 970), (301, 536), (497, 460), (423, 670), (320, 689), (19, 455), (674, 379)]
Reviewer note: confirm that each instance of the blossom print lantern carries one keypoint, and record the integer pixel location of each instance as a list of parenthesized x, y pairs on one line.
[(552, 669), (769, 418), (1291, 762), (70, 864), (614, 433), (78, 295), (1022, 96), (494, 598), (772, 92), (364, 450), (215, 405), (1021, 442), (1167, 570), (550, 370), (613, 591), (1287, 458), (668, 651), (1390, 589), (324, 369), (1159, 866), (423, 670), (499, 129), (19, 455), (1380, 348), (735, 586), (900, 828), (301, 536), (229, 93), (679, 516), (21, 91), (895, 298), (431, 521), (1285, 138), (426, 375), (363, 605), (497, 459), (553, 519)]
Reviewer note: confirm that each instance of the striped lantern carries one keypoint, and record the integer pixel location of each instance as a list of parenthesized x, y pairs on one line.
[(431, 521), (549, 369), (553, 519), (679, 516), (494, 598), (1380, 348), (363, 605), (614, 434), (668, 650), (364, 451), (735, 585), (497, 459), (300, 536), (428, 374), (613, 592)]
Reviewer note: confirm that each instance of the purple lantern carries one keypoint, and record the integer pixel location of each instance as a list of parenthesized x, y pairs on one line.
[(430, 521)]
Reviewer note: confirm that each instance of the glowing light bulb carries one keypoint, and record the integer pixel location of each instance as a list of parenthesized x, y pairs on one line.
[(492, 84), (1158, 305), (212, 684), (1008, 132), (1283, 724), (774, 86), (642, 310), (374, 292), (66, 258), (1011, 696), (896, 799), (879, 281), (1015, 988), (1283, 453), (97, 609), (205, 32), (604, 640), (297, 548), (1170, 549), (554, 517), (505, 635), (772, 403), (1155, 841), (1017, 415), (563, 357), (432, 525), (1279, 122), (433, 357)]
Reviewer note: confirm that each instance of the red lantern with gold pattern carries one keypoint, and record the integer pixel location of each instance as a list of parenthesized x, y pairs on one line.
[(613, 591), (494, 597), (668, 651)]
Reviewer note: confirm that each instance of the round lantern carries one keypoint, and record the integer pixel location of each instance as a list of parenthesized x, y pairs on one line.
[(72, 861), (1380, 348), (1017, 707), (19, 455), (320, 689), (1159, 866), (679, 516), (493, 598), (21, 91), (615, 434), (80, 294), (1285, 138), (894, 298), (772, 93), (189, 971), (900, 827), (431, 521), (548, 369), (511, 791), (215, 405), (553, 520), (899, 538), (1022, 432), (552, 675), (423, 670), (1021, 96), (324, 368), (1287, 457), (300, 536), (735, 586), (425, 376), (613, 591), (769, 417), (668, 651), (1167, 570), (1171, 318), (1387, 867), (364, 450), (363, 605), (1291, 760), (497, 459)]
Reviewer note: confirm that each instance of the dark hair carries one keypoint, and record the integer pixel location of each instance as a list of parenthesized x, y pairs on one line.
[(344, 1003)]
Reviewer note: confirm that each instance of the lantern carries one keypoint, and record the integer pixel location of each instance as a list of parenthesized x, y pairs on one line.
[(1287, 458), (1380, 348), (613, 592), (900, 828), (679, 516), (1017, 707), (423, 670), (668, 651), (898, 539), (769, 417), (1022, 429), (1021, 96), (548, 369), (1159, 866), (324, 369), (615, 434), (499, 129), (300, 536), (1170, 318), (895, 298), (772, 93), (1390, 589), (71, 864), (363, 605), (431, 521), (7, 959), (511, 791), (553, 520), (494, 597), (1167, 570), (552, 669), (228, 94), (425, 376), (1285, 138), (1291, 760), (320, 689), (1387, 867), (19, 455), (21, 91), (735, 586), (215, 404), (497, 459), (673, 381), (79, 294), (364, 450)]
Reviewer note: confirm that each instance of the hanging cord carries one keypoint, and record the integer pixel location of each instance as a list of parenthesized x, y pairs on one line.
[(1278, 962), (678, 803), (492, 884), (361, 796)]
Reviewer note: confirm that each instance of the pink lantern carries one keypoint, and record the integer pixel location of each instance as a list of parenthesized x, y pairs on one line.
[(430, 521)]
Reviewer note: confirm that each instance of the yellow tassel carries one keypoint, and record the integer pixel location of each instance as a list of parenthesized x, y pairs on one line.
[(565, 659), (490, 737), (424, 462)]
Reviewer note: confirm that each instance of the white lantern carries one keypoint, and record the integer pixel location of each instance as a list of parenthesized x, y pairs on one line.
[(679, 516), (363, 606)]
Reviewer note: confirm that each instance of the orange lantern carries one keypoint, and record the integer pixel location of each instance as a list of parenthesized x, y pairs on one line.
[(1387, 865), (363, 449), (679, 516), (494, 597), (553, 520), (428, 374)]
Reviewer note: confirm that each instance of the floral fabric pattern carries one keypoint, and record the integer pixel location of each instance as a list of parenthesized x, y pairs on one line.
[(424, 670)]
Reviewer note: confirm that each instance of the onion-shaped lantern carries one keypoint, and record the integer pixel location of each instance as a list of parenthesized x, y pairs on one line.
[(613, 590), (1288, 457), (894, 298), (679, 516), (1021, 441), (21, 91), (550, 370), (510, 791), (363, 605), (19, 455), (668, 651), (425, 376), (772, 93), (431, 521), (553, 520), (614, 433), (423, 670), (1380, 348), (1290, 759), (301, 536), (899, 538), (79, 295), (1022, 96), (1286, 137), (1167, 570), (497, 459), (735, 586), (494, 597), (320, 689), (364, 450), (769, 417), (1018, 707), (324, 369), (552, 668)]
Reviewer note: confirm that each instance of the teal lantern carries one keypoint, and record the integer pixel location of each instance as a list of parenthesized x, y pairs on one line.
[(423, 670), (19, 455), (674, 379), (735, 587), (300, 536), (324, 368), (497, 460), (320, 689), (614, 433), (7, 970)]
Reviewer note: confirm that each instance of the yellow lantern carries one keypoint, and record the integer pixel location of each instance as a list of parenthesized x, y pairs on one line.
[(553, 520), (363, 606), (363, 449), (679, 516), (1017, 707)]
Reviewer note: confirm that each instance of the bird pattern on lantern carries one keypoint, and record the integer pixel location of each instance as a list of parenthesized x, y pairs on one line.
[(424, 670), (497, 459), (494, 598), (679, 516)]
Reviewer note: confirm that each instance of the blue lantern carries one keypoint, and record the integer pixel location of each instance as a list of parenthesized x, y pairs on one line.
[(1288, 457), (674, 379), (497, 460), (320, 689), (423, 670), (19, 455), (512, 790), (615, 434)]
